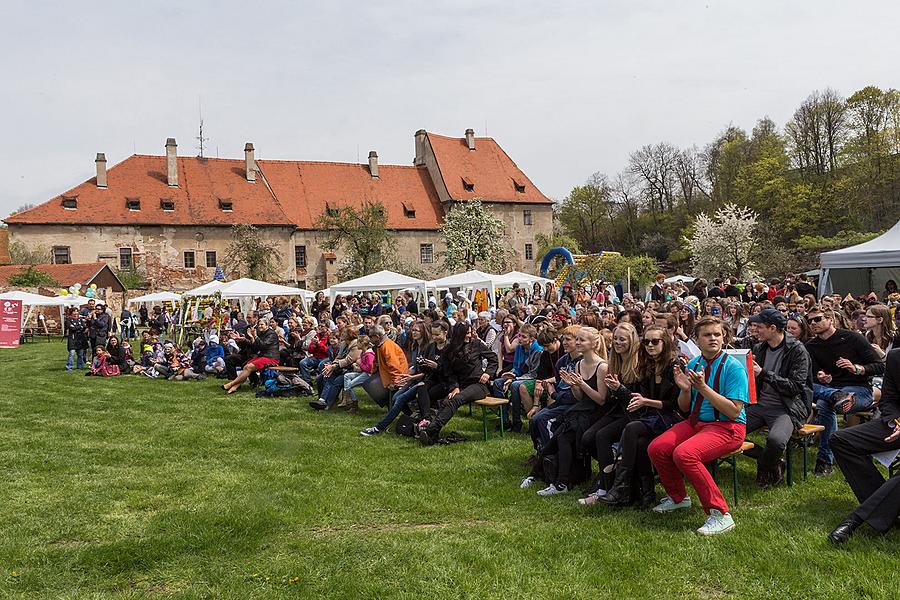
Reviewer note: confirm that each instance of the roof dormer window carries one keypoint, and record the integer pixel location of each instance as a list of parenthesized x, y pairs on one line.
[(226, 205), (133, 204), (409, 211), (167, 204), (70, 202), (468, 184), (520, 186)]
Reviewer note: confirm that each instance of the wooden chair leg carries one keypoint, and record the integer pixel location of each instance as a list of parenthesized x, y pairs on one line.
[(790, 464), (500, 409), (484, 421)]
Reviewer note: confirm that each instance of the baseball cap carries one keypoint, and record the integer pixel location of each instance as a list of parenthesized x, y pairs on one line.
[(770, 316)]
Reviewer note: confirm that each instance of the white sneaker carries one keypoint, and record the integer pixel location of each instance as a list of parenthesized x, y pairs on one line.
[(717, 523), (526, 483), (668, 505), (551, 490)]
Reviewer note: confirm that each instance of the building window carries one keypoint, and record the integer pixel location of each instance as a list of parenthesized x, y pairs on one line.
[(167, 204), (210, 258), (300, 256), (468, 184), (409, 211), (133, 203), (61, 255), (519, 185), (126, 259), (226, 205), (526, 214), (70, 202), (189, 262), (426, 253), (529, 252)]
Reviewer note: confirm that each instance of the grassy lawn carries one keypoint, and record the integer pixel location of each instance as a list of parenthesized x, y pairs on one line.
[(128, 487)]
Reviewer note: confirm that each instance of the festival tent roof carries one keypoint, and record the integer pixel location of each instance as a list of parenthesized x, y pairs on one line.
[(687, 279), (382, 280), (520, 278), (29, 299), (473, 278), (251, 288), (864, 267), (207, 289), (157, 297)]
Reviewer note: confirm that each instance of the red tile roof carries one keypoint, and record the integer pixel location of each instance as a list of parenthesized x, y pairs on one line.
[(66, 275), (492, 172), (202, 183), (306, 188)]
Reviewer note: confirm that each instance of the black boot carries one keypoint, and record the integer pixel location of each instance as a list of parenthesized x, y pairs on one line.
[(648, 492), (620, 491)]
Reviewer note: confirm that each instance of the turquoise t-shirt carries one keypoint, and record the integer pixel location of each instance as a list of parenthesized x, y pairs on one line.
[(733, 384)]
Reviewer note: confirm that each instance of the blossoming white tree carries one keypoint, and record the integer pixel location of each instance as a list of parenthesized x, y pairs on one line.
[(723, 245)]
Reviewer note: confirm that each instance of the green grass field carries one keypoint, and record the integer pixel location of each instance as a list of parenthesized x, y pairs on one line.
[(131, 488)]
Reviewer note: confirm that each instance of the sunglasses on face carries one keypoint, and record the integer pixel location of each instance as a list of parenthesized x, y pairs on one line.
[(652, 341), (816, 319)]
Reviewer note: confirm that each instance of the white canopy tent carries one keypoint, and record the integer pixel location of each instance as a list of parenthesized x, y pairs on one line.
[(157, 297), (31, 300), (474, 279), (376, 282), (507, 279), (207, 289), (251, 288), (862, 268), (685, 279)]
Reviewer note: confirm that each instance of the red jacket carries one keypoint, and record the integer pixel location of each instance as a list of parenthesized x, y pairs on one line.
[(318, 349)]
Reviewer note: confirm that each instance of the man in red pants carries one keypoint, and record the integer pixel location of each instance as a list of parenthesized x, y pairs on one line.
[(714, 387)]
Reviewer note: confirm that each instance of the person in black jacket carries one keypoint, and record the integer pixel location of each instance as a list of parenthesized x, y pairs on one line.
[(264, 347), (783, 391), (879, 500), (467, 365), (652, 409), (99, 326), (843, 364), (76, 339)]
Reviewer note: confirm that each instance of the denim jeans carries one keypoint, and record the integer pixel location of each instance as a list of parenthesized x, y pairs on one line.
[(355, 379), (309, 366), (82, 359), (402, 398), (331, 389), (539, 425), (826, 415), (514, 414)]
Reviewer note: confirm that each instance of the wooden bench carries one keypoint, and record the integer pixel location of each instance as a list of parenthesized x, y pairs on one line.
[(731, 458), (487, 404), (802, 438), (284, 369)]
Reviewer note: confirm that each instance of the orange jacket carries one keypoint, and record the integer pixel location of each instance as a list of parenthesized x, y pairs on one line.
[(391, 362)]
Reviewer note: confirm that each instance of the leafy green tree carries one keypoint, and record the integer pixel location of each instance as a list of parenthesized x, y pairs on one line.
[(132, 279), (587, 212), (31, 277), (23, 254), (474, 238), (363, 235), (249, 255)]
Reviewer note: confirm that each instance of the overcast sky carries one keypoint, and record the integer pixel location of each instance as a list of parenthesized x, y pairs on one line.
[(567, 88)]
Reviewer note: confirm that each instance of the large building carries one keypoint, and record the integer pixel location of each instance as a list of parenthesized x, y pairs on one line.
[(171, 215)]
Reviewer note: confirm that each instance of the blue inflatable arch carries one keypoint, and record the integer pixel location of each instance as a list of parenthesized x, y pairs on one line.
[(553, 253)]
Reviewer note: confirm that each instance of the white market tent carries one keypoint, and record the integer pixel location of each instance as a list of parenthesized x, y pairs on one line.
[(30, 300), (157, 297), (473, 279), (507, 279), (376, 282), (686, 279), (862, 268), (207, 289), (251, 288)]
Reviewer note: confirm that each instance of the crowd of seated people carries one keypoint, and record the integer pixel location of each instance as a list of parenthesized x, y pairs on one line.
[(612, 389)]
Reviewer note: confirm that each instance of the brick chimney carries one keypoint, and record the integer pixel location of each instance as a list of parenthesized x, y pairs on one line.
[(420, 148), (250, 162), (470, 138), (172, 162), (373, 164), (101, 170)]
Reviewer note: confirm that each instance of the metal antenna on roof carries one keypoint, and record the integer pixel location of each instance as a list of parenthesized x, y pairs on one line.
[(200, 137), (357, 152)]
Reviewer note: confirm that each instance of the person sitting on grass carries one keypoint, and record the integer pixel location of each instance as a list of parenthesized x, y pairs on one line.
[(563, 451), (264, 350), (651, 410), (561, 398), (714, 388), (467, 365), (363, 370), (214, 357), (118, 356), (420, 340), (525, 363), (100, 366), (391, 365)]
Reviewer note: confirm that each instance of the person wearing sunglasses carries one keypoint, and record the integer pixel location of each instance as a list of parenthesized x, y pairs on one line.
[(784, 393), (843, 364)]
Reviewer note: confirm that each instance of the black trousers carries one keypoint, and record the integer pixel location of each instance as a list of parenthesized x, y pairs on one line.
[(635, 440), (429, 394), (598, 440), (781, 427), (470, 393), (853, 448)]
